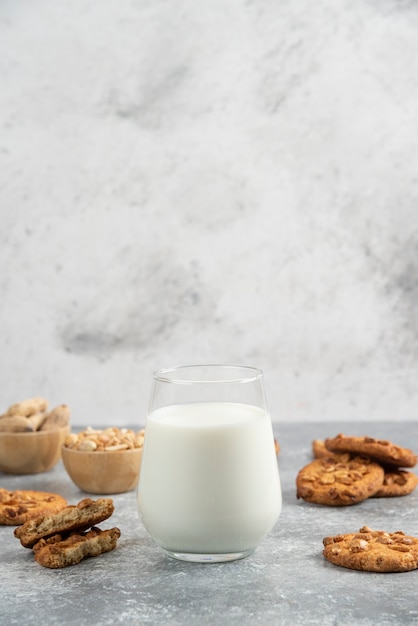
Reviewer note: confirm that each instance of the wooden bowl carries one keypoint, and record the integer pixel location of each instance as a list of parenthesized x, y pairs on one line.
[(103, 472), (31, 453)]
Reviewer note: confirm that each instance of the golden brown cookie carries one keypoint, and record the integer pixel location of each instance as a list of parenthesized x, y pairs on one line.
[(21, 506), (373, 551), (397, 482), (339, 480), (380, 450), (78, 517), (319, 449), (59, 551)]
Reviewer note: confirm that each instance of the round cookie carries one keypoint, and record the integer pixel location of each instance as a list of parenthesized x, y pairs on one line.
[(319, 449), (373, 551), (339, 480), (397, 482), (20, 506), (380, 450)]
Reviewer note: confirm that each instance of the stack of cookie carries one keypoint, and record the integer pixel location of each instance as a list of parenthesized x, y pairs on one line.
[(348, 470), (70, 535)]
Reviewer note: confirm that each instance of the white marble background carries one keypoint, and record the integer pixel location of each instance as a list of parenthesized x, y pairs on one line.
[(189, 182)]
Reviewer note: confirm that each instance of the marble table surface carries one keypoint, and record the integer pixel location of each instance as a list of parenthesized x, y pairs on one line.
[(285, 581)]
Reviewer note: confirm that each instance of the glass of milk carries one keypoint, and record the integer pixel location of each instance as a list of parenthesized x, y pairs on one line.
[(209, 487)]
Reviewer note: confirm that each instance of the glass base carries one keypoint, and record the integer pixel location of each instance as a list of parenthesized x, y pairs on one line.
[(208, 558)]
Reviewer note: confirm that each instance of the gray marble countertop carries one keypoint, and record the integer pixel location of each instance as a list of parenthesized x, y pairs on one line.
[(285, 581)]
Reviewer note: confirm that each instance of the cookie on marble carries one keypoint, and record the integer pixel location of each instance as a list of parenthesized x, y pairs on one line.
[(373, 551), (339, 480), (58, 551), (319, 449), (22, 505), (397, 482), (383, 451), (85, 514)]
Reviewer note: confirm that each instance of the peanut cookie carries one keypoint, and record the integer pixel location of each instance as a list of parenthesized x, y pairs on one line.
[(59, 551), (319, 449), (378, 449), (19, 507), (397, 482), (78, 517), (373, 551), (339, 480)]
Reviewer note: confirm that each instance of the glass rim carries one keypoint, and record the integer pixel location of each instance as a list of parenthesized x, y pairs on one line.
[(173, 374)]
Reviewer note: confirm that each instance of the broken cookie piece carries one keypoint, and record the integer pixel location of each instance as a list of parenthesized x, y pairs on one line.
[(58, 551), (84, 515)]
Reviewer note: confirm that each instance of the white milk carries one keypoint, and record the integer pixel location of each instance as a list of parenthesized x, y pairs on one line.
[(209, 479)]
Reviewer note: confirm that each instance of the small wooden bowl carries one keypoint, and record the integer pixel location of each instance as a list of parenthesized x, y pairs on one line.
[(103, 472), (31, 453)]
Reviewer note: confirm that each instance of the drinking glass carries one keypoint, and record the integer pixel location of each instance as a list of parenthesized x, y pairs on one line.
[(209, 487)]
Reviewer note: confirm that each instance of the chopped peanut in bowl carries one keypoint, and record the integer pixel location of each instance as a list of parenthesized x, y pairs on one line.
[(110, 439)]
